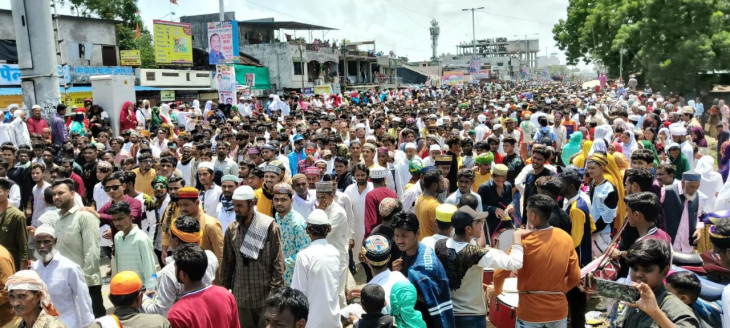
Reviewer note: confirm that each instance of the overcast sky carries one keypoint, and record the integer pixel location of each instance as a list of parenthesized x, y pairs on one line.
[(398, 25)]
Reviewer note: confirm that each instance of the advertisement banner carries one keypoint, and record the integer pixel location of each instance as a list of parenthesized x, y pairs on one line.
[(474, 65), (251, 79), (226, 84), (75, 98), (223, 43), (167, 95), (482, 75), (130, 58), (454, 78), (173, 43), (10, 74)]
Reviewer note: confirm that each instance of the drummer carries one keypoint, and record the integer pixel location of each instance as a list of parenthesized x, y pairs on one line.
[(460, 252)]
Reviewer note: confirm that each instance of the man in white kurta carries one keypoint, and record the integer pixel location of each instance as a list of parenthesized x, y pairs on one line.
[(64, 279), (316, 274), (339, 235), (357, 198)]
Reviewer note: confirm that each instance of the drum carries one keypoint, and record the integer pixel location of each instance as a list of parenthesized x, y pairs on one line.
[(503, 311), (487, 276), (503, 239)]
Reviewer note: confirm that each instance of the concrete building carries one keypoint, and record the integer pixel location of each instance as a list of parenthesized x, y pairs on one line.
[(545, 61), (199, 26), (83, 41)]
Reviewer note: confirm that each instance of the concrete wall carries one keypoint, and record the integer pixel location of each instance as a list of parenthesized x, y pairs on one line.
[(277, 57), (199, 25), (94, 33)]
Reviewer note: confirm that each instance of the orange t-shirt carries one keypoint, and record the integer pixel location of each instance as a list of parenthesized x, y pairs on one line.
[(550, 264)]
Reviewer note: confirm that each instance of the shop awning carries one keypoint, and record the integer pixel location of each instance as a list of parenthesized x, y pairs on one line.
[(245, 75), (19, 91)]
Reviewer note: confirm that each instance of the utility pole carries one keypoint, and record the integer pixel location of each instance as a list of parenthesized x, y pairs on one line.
[(473, 31), (37, 60), (222, 10)]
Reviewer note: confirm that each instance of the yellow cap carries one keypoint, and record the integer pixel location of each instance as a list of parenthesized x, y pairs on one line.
[(125, 283), (444, 212)]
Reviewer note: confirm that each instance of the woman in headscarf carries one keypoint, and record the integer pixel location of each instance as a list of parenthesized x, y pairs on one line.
[(402, 301), (77, 123), (607, 198), (628, 142), (127, 118), (648, 145), (698, 138), (616, 147), (572, 147), (663, 137), (711, 181), (680, 162), (650, 134), (724, 166), (580, 160), (156, 119), (621, 162)]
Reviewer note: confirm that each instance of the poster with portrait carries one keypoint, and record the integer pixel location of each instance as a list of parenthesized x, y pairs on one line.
[(173, 43), (225, 80), (223, 43)]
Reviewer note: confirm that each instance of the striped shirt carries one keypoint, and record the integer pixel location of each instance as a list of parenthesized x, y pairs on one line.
[(135, 253)]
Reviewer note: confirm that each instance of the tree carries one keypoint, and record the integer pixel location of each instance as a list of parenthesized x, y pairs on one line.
[(669, 43), (126, 12)]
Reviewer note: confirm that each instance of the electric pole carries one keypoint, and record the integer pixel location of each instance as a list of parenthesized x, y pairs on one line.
[(473, 31), (36, 46)]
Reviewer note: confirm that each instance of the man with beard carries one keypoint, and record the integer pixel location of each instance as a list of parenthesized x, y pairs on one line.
[(293, 228), (252, 256), (171, 211), (48, 155), (184, 231), (304, 198), (265, 193), (212, 238), (224, 210), (162, 199), (185, 164), (540, 155), (339, 235), (374, 197), (70, 294), (268, 154)]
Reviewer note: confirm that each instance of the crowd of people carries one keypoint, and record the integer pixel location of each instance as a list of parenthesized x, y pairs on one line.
[(259, 214)]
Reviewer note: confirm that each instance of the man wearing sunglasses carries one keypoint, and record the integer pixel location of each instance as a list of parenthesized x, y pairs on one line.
[(114, 188)]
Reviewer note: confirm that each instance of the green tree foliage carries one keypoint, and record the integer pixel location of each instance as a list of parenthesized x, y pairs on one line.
[(125, 12), (670, 43)]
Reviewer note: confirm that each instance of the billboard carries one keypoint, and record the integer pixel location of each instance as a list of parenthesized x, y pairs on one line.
[(481, 74), (173, 43), (454, 78), (223, 43), (226, 84), (130, 58)]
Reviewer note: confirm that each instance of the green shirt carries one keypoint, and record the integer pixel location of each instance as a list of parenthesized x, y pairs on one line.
[(679, 313), (78, 239), (13, 234), (135, 253)]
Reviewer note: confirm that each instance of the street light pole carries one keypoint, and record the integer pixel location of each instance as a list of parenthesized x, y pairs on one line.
[(473, 31)]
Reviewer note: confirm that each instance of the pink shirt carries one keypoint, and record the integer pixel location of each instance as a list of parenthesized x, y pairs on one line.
[(213, 306)]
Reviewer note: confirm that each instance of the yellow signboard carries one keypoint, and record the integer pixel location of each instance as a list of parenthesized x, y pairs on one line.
[(173, 43), (130, 58), (76, 98)]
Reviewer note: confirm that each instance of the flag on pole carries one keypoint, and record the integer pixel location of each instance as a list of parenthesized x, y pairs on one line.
[(174, 2), (136, 30)]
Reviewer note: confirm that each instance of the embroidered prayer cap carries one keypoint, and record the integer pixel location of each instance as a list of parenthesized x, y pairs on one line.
[(484, 158), (272, 168), (188, 193), (677, 129), (206, 165), (369, 146), (145, 133), (425, 169), (691, 176), (415, 166), (125, 283), (229, 177), (243, 193), (445, 211), (47, 229), (298, 176), (253, 151), (411, 145), (382, 149), (268, 146), (434, 138), (283, 188), (318, 217), (443, 160), (159, 180), (500, 170), (688, 110), (376, 249), (312, 170), (471, 132), (324, 187), (497, 127), (434, 148), (377, 173), (388, 205)]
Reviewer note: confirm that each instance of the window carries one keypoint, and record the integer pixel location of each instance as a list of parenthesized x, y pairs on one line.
[(150, 76), (298, 68), (500, 64)]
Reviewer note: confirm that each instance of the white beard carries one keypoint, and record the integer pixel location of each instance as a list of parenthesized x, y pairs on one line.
[(47, 258)]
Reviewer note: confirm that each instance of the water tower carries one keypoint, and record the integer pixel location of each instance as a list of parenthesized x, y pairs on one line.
[(435, 31)]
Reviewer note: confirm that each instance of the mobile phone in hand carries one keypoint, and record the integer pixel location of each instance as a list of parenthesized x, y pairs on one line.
[(616, 290)]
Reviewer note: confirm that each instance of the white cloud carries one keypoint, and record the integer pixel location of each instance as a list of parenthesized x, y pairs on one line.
[(398, 25)]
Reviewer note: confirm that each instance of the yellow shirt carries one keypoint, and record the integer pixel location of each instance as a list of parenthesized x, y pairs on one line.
[(143, 182), (264, 205), (479, 179), (426, 214)]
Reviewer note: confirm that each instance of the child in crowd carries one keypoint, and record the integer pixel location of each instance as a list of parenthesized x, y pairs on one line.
[(686, 286), (373, 301)]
